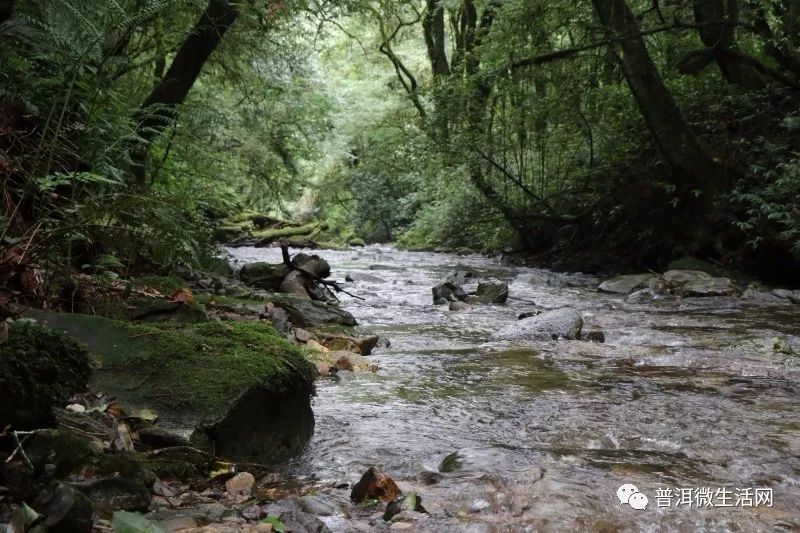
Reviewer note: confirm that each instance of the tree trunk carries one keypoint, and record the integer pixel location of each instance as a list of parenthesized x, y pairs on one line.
[(6, 10), (433, 30), (157, 111), (694, 167)]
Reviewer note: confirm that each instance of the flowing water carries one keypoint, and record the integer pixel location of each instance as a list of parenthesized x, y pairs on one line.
[(684, 394)]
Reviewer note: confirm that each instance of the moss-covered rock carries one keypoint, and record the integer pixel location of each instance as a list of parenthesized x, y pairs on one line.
[(39, 368), (263, 275), (200, 376)]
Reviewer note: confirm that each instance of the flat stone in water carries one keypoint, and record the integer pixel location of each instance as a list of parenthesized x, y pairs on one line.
[(559, 324)]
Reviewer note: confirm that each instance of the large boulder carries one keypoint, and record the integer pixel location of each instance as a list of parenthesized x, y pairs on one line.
[(559, 324), (39, 368), (262, 275), (489, 292), (625, 284), (697, 283), (210, 380)]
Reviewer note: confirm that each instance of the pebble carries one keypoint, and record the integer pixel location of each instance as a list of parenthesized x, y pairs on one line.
[(76, 408), (240, 486)]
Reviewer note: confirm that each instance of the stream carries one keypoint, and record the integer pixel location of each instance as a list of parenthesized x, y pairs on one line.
[(694, 393)]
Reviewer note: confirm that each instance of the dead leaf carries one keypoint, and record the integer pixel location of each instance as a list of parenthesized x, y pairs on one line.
[(145, 414), (183, 295), (116, 410)]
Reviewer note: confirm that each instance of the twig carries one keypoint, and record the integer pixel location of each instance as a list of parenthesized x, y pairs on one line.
[(15, 435)]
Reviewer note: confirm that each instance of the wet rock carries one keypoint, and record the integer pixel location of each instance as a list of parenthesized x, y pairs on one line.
[(491, 292), (318, 505), (114, 494), (39, 368), (755, 294), (253, 512), (447, 292), (340, 342), (559, 324), (374, 485), (356, 242), (363, 277), (295, 283), (528, 314), (595, 336), (792, 296), (461, 277), (240, 486), (344, 375), (313, 263), (66, 509), (384, 267), (158, 437), (643, 296), (212, 512), (698, 284), (303, 335), (294, 518), (459, 306), (309, 313), (625, 284), (279, 318)]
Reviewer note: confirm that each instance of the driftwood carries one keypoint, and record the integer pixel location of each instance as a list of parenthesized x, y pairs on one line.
[(287, 260)]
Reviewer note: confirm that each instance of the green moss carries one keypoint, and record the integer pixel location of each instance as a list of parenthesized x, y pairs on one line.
[(206, 366), (163, 284), (288, 231), (191, 373), (39, 368)]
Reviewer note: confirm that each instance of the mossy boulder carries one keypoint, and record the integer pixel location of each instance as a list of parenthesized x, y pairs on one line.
[(199, 378), (263, 275), (39, 368), (145, 309), (356, 241)]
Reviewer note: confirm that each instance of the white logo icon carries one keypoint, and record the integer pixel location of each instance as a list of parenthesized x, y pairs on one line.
[(629, 494)]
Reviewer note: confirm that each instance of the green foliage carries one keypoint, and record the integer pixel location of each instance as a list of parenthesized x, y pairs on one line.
[(772, 207)]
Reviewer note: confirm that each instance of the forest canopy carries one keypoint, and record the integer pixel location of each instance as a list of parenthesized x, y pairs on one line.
[(597, 135)]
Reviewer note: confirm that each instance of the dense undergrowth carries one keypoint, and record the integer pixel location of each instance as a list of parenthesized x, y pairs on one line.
[(486, 126)]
